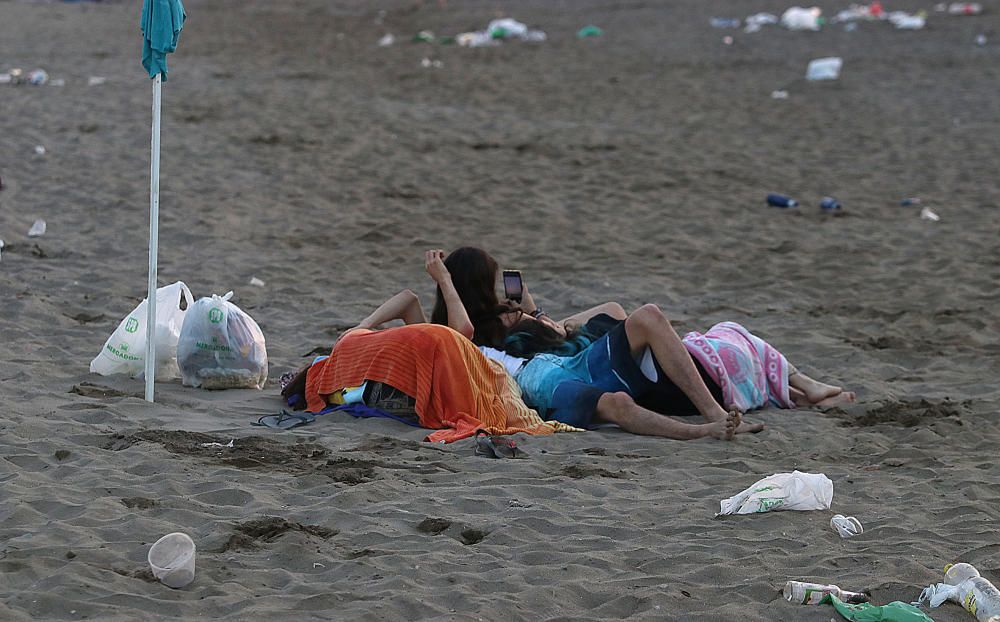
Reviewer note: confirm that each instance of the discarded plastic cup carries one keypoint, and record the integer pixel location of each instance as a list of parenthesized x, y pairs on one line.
[(846, 526), (171, 559), (780, 200), (804, 593), (37, 229), (824, 68)]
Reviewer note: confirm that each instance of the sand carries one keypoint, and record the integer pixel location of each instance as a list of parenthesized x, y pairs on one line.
[(630, 167)]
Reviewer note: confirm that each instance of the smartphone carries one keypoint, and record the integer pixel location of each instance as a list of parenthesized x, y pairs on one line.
[(512, 287)]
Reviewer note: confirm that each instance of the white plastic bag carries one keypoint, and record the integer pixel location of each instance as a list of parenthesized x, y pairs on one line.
[(221, 347), (783, 491), (798, 18), (824, 68), (125, 350)]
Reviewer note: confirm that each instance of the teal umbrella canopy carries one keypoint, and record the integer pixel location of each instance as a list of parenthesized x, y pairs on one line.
[(161, 25)]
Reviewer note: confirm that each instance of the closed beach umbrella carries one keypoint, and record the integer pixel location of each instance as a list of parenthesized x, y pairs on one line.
[(161, 25)]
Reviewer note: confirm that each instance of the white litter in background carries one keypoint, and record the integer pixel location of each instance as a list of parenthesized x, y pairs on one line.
[(927, 214), (37, 229), (824, 68), (256, 282), (96, 80), (779, 94), (39, 149), (228, 445), (387, 40)]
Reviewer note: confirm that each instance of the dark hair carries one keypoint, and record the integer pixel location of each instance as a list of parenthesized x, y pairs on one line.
[(474, 274), (529, 337)]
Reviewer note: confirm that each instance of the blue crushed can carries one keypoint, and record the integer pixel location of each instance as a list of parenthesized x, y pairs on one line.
[(780, 200)]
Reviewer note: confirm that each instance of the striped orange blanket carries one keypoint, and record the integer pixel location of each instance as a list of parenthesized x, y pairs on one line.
[(458, 391)]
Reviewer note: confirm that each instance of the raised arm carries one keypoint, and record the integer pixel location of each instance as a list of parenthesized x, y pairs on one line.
[(613, 309), (458, 316)]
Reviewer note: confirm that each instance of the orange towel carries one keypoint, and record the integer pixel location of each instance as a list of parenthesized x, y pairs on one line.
[(457, 390)]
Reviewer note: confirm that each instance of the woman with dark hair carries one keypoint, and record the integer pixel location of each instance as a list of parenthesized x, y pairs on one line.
[(467, 301)]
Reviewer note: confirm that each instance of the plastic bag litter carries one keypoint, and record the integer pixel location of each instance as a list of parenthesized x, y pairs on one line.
[(125, 350), (782, 491), (798, 18), (824, 68), (221, 347)]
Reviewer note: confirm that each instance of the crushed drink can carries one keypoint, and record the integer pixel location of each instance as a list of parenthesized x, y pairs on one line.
[(829, 204), (780, 200)]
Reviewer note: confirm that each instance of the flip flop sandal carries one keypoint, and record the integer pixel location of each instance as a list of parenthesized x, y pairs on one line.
[(285, 420), (497, 447)]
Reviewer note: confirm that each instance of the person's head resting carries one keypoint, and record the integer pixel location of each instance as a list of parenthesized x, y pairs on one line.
[(474, 274), (529, 336)]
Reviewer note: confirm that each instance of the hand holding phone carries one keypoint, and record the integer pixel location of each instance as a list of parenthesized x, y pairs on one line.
[(513, 288)]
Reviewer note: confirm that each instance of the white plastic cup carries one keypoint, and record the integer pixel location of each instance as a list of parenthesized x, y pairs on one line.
[(846, 526), (172, 559)]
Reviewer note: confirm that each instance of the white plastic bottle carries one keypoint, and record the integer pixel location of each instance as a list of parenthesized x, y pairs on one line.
[(979, 597)]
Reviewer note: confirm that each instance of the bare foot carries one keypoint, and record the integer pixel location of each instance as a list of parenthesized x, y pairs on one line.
[(749, 428), (716, 416), (726, 429), (814, 390), (844, 397)]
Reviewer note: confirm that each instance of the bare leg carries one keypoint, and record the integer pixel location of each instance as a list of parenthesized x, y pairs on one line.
[(620, 408), (403, 306), (647, 326)]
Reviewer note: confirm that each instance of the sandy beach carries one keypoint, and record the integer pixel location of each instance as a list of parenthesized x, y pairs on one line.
[(629, 167)]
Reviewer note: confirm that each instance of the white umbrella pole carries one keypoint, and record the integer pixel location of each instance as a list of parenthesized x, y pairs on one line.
[(154, 218)]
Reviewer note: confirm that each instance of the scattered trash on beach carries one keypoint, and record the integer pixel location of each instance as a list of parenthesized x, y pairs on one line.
[(798, 18), (863, 612), (757, 20), (39, 150), (727, 40), (426, 62), (424, 36), (318, 565), (38, 77), (725, 22), (981, 40), (782, 491), (830, 205), (171, 559), (824, 68), (908, 201), (964, 586), (927, 214), (965, 8), (96, 80), (850, 26), (905, 21), (57, 82), (589, 31), (846, 526), (779, 94), (780, 200), (1, 249), (386, 40), (804, 593), (256, 282), (476, 40), (37, 229), (229, 445), (227, 328)]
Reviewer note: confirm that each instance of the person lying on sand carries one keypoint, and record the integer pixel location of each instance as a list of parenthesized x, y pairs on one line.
[(728, 358), (586, 398)]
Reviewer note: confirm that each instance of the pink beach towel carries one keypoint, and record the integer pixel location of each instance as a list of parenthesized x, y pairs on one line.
[(749, 371)]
